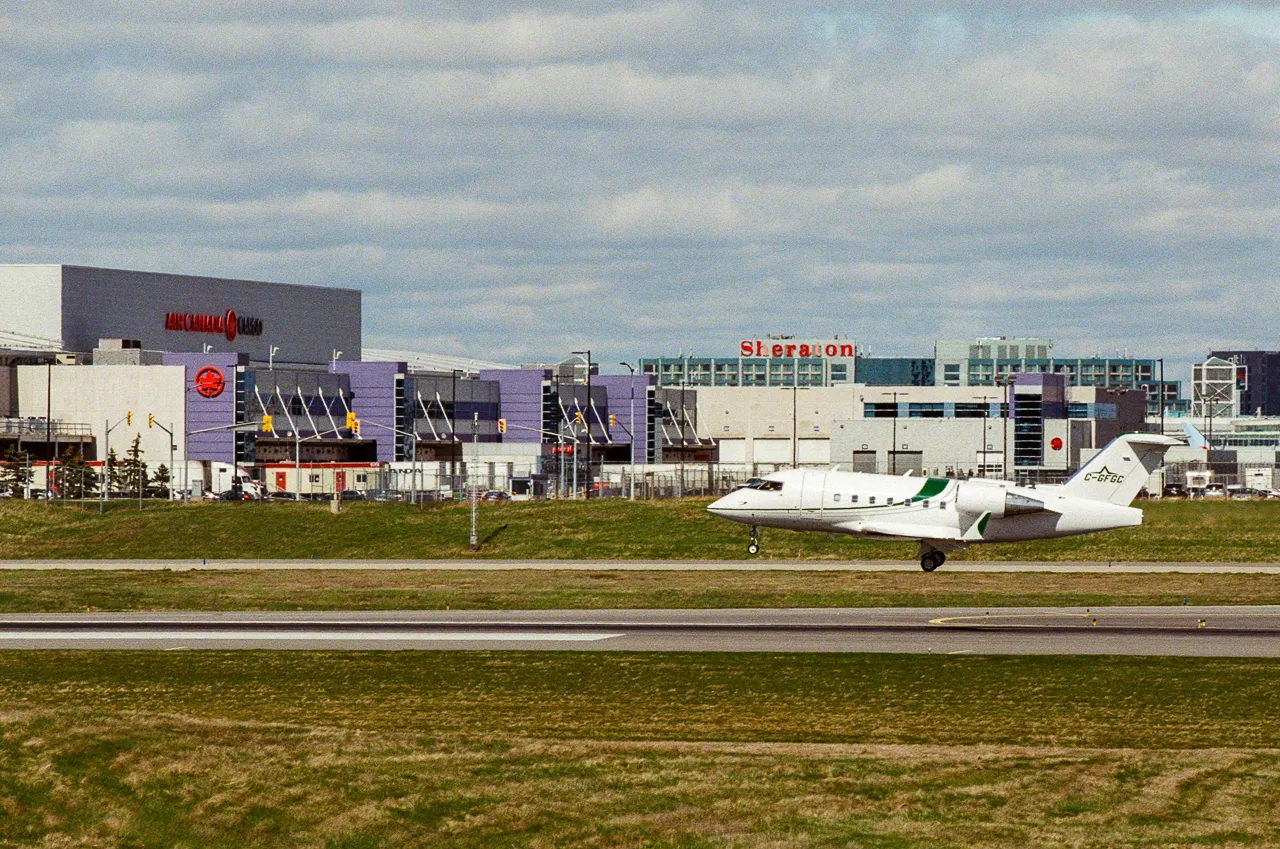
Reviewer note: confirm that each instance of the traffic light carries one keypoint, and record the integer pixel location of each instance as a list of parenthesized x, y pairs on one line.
[(266, 424), (577, 417), (355, 426), (613, 420), (151, 420), (128, 417), (352, 424), (502, 425)]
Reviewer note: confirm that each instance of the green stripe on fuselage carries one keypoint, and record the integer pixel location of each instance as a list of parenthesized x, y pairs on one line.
[(932, 487)]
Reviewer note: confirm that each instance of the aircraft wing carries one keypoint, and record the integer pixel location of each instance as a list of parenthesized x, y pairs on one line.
[(904, 530)]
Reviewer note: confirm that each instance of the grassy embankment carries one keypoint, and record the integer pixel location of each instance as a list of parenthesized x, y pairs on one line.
[(607, 529), (466, 749)]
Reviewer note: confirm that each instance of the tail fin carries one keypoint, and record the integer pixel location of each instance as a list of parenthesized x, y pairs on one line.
[(1120, 469), (1194, 437)]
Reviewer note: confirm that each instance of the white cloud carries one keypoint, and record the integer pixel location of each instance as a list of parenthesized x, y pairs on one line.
[(652, 176)]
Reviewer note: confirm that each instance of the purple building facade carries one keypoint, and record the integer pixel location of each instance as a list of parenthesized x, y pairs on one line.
[(377, 390), (214, 400)]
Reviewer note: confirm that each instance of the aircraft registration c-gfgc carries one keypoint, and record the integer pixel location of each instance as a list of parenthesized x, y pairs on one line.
[(947, 515)]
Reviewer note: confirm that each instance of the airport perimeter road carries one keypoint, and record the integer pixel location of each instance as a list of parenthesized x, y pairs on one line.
[(1185, 631), (648, 565)]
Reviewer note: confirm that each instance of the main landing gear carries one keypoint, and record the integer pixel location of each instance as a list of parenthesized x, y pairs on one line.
[(931, 560), (753, 547)]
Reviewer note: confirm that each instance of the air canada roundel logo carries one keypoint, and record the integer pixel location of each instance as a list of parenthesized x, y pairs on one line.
[(232, 325), (1056, 443), (210, 382)]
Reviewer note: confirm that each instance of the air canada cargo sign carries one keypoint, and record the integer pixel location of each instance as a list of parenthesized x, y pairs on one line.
[(226, 324), (792, 348)]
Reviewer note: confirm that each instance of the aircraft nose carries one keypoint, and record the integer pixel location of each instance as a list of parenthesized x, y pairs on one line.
[(718, 507)]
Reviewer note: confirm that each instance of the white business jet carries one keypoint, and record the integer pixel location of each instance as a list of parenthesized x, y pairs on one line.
[(948, 515)]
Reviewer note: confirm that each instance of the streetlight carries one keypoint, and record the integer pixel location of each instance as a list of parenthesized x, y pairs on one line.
[(271, 357), (893, 447), (336, 355), (632, 406), (587, 352)]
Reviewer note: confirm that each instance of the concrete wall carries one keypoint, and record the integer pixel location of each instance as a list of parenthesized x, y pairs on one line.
[(94, 395), (31, 301)]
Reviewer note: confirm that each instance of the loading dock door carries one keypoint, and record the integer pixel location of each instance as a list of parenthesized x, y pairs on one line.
[(282, 481)]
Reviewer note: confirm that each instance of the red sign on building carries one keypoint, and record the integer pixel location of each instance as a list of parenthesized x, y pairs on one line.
[(209, 382)]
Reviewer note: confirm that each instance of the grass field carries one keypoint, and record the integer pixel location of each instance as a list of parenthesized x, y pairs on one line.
[(471, 749), (26, 591), (606, 529)]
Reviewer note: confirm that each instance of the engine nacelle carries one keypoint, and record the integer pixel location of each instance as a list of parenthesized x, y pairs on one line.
[(977, 498)]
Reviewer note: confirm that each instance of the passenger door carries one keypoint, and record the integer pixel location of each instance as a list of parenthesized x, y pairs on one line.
[(811, 495)]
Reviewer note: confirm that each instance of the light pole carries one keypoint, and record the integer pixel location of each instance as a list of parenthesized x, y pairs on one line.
[(1161, 395), (893, 448), (475, 495), (336, 355), (632, 407), (271, 357), (587, 491)]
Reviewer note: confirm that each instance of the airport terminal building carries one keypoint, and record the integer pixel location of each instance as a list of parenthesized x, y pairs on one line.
[(222, 378)]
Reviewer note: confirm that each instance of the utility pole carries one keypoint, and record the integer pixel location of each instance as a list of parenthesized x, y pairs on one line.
[(632, 434), (475, 496), (587, 489), (1160, 395)]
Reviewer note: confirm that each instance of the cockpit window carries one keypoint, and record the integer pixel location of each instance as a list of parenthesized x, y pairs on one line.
[(763, 485)]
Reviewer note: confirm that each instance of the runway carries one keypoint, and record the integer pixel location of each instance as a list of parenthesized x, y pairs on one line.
[(754, 565), (1170, 631)]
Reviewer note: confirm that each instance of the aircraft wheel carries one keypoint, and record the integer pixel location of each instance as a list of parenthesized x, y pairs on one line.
[(753, 549), (931, 561)]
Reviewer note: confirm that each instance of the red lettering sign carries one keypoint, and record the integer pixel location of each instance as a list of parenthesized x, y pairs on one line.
[(228, 324), (209, 382), (760, 348)]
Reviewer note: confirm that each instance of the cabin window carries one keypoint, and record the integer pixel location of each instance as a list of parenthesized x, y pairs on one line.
[(836, 497), (872, 500), (942, 505), (926, 504), (853, 499)]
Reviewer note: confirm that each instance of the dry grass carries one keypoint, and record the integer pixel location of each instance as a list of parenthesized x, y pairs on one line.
[(477, 749), (191, 782), (31, 591)]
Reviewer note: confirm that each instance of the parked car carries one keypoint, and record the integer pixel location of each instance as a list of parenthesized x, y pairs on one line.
[(1175, 490), (496, 495), (351, 495)]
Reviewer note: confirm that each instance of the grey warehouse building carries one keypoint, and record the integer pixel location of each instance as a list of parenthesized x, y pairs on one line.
[(72, 307)]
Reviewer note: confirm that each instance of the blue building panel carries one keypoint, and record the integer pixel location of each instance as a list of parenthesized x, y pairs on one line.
[(374, 401), (521, 404), (210, 417)]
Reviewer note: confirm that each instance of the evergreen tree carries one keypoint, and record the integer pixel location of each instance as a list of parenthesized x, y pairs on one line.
[(133, 471), (159, 486), (15, 471), (75, 478), (115, 476)]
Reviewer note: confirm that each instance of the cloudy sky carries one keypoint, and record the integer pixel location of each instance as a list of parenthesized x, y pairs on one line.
[(512, 181)]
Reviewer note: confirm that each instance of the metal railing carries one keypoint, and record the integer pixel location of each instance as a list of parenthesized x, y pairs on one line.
[(37, 429)]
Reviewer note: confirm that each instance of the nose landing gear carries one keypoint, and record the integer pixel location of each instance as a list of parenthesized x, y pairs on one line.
[(753, 547)]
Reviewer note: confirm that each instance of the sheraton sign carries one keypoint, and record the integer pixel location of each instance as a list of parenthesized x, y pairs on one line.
[(227, 324), (792, 348)]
